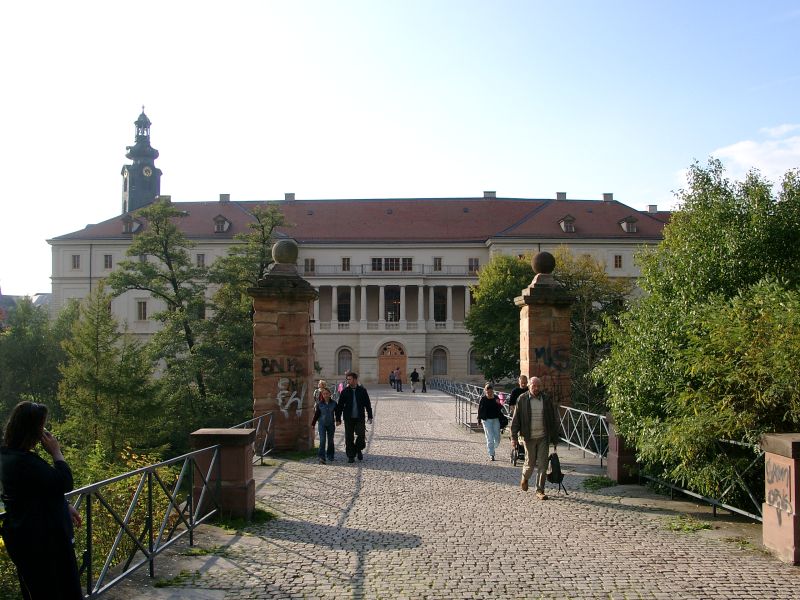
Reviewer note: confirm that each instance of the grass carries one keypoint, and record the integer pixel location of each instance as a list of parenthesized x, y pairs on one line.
[(213, 551), (238, 524), (745, 544), (180, 579), (685, 524), (598, 482)]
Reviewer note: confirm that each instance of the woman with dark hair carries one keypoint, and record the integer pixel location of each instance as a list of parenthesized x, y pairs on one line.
[(37, 529)]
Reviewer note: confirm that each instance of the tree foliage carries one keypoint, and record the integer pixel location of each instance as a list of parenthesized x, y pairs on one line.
[(493, 319), (707, 352)]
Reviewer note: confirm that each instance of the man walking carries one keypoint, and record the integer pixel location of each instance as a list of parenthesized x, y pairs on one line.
[(414, 377), (398, 380), (353, 402), (535, 417), (424, 389)]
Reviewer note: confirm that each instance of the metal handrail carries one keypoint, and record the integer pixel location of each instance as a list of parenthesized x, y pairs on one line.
[(147, 542), (264, 440)]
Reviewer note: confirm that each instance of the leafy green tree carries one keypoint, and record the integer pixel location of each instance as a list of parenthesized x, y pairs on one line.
[(597, 298), (105, 391), (30, 352), (493, 319), (169, 275), (680, 355)]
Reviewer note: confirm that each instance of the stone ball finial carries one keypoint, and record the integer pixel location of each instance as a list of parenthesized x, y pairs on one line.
[(544, 262), (284, 252)]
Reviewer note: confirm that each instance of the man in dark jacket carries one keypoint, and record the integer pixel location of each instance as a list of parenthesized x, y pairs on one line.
[(536, 419), (519, 390), (353, 402)]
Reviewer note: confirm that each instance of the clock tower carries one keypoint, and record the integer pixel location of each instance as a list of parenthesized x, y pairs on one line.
[(141, 181)]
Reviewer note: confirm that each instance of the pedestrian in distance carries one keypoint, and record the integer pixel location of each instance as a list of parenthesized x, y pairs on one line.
[(324, 419), (391, 378), (38, 527), (353, 404), (398, 380), (522, 388), (536, 421), (321, 385), (414, 377), (489, 412), (422, 375)]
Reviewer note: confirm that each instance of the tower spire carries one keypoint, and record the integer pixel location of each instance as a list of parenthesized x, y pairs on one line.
[(141, 180)]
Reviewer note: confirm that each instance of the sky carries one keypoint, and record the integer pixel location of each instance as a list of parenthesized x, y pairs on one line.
[(382, 99)]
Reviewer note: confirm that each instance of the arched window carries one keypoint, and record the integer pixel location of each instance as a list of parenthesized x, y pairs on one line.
[(439, 362), (473, 363), (344, 361)]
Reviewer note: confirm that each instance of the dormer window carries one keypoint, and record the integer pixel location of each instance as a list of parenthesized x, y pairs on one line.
[(221, 224), (130, 225), (628, 224), (567, 224)]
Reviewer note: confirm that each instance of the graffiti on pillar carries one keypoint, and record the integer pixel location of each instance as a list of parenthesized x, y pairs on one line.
[(287, 395), (779, 488), (557, 359), (281, 364)]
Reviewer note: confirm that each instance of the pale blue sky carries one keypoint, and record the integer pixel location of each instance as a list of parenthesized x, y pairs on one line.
[(382, 99)]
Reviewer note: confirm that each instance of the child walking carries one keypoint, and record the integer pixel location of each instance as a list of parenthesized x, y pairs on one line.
[(324, 419)]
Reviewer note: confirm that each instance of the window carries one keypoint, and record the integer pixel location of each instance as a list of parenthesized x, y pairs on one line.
[(343, 305), (219, 226), (437, 263), (141, 310), (618, 261), (344, 361), (474, 264), (408, 264), (440, 304), (377, 264), (568, 226), (201, 260), (108, 262), (392, 298), (345, 263), (473, 363), (76, 261), (309, 266), (391, 264), (439, 362), (127, 227)]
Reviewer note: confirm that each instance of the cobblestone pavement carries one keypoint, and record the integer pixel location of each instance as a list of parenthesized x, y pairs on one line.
[(426, 515)]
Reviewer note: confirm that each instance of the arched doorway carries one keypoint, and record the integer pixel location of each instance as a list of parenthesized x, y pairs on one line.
[(391, 356)]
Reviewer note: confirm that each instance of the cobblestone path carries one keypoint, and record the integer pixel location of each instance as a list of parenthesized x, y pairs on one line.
[(426, 515)]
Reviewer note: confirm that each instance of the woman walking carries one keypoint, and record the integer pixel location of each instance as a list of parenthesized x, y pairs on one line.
[(489, 412)]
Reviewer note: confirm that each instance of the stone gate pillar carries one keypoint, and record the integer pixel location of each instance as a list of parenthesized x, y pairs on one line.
[(544, 330), (780, 528), (283, 349)]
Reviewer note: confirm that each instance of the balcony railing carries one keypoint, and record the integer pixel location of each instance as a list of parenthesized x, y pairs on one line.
[(366, 270)]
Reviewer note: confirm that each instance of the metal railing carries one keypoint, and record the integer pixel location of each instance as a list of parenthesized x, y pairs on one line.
[(264, 442), (151, 508)]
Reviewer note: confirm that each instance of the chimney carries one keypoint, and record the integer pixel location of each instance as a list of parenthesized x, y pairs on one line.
[(167, 199), (652, 208), (490, 194), (561, 195), (288, 196), (608, 197), (224, 197)]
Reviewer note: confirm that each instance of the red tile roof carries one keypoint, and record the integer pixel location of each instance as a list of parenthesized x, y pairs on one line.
[(409, 220)]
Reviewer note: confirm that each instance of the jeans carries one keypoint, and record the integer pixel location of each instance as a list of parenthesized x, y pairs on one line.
[(491, 428), (326, 439), (355, 433)]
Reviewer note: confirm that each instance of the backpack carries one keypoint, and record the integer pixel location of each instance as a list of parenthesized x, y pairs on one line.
[(554, 474)]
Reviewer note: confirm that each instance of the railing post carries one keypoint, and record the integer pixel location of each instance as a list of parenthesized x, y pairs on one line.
[(190, 500), (151, 563), (781, 523), (622, 466), (89, 571)]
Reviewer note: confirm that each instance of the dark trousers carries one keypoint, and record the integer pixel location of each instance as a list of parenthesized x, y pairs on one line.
[(355, 434), (45, 573), (424, 389)]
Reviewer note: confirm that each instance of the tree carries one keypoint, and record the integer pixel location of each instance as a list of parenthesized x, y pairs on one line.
[(165, 270), (598, 298), (718, 284), (493, 320), (30, 351), (105, 391)]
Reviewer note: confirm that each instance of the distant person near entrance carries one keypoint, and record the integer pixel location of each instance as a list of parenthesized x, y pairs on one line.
[(535, 418), (424, 389), (353, 403), (398, 380), (414, 377)]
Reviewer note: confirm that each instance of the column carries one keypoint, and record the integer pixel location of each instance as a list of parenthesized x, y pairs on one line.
[(466, 301), (237, 488), (449, 306), (381, 305), (430, 305), (402, 306), (316, 311), (420, 307), (352, 303), (334, 304), (363, 307), (780, 529)]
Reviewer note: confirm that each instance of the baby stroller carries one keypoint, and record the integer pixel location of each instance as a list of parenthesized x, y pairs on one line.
[(518, 453)]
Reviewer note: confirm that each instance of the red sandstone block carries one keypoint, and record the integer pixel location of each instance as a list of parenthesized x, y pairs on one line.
[(294, 323)]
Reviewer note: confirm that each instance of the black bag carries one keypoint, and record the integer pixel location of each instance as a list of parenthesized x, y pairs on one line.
[(503, 421), (554, 474)]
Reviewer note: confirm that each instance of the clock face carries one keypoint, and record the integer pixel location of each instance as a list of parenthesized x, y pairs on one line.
[(125, 173), (147, 171)]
